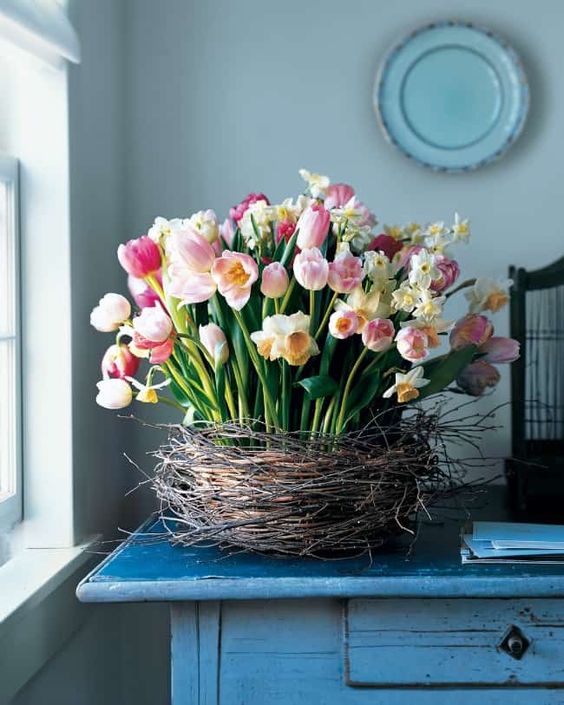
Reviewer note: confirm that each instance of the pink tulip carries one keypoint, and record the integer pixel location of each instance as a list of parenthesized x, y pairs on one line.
[(449, 270), (313, 226), (215, 342), (226, 232), (142, 293), (412, 344), (473, 329), (378, 334), (234, 274), (477, 377), (237, 212), (285, 230), (191, 249), (140, 257), (386, 244), (500, 350), (119, 362), (153, 324), (345, 273), (343, 323), (337, 195), (161, 353), (275, 281), (311, 269)]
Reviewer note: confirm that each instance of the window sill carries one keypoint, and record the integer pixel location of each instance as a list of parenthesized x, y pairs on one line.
[(38, 610)]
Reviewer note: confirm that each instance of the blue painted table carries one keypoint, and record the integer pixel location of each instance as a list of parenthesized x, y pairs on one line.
[(408, 628)]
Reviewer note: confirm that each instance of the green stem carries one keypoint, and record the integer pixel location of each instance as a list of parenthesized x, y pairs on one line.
[(269, 403), (356, 366), (311, 311), (328, 414), (327, 315), (287, 295)]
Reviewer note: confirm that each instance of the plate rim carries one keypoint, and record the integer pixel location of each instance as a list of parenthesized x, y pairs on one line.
[(515, 60)]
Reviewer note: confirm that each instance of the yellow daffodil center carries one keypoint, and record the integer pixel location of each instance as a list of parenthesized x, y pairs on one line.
[(496, 301), (298, 345), (148, 396), (236, 274), (406, 392)]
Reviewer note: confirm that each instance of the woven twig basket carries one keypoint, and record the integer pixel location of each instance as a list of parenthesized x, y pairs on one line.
[(296, 494)]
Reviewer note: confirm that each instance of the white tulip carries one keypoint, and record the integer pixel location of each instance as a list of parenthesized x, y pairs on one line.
[(111, 312), (114, 393)]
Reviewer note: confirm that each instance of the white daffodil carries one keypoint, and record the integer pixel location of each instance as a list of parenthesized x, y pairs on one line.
[(460, 229), (358, 236), (377, 266), (394, 231), (162, 228), (405, 297), (147, 393), (407, 385), (286, 337), (206, 224), (367, 306), (428, 306), (317, 183), (423, 269), (288, 210), (262, 215), (488, 295)]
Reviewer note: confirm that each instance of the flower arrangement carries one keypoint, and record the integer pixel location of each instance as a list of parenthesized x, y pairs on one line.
[(298, 316)]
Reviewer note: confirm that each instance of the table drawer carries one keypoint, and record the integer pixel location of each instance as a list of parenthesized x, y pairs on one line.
[(459, 642)]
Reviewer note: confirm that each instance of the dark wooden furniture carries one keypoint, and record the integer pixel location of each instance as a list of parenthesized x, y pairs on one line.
[(535, 473)]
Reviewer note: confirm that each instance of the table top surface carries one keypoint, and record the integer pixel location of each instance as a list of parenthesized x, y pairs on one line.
[(147, 567)]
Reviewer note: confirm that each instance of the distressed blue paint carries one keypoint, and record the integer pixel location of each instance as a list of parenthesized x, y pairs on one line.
[(145, 569), (427, 643)]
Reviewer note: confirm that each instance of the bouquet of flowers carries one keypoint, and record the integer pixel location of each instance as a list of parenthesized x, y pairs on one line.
[(298, 316)]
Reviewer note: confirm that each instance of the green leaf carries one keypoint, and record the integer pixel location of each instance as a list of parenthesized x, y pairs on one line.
[(443, 370), (289, 250), (319, 386), (362, 394)]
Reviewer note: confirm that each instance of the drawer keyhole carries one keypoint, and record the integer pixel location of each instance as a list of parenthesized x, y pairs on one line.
[(514, 643)]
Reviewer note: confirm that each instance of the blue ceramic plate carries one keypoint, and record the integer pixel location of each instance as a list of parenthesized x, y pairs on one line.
[(452, 96)]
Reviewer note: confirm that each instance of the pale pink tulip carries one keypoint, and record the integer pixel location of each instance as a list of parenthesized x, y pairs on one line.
[(140, 257), (114, 393), (473, 329), (477, 377), (119, 362), (215, 342), (313, 226), (337, 195), (412, 344), (226, 232), (378, 334), (190, 249), (235, 273), (343, 323), (500, 350), (112, 310), (311, 269), (345, 273), (153, 324), (449, 270), (275, 281)]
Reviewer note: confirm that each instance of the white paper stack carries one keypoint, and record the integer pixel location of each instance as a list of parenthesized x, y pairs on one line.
[(505, 542)]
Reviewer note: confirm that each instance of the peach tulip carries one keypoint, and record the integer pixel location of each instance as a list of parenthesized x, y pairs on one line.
[(343, 323), (473, 329), (412, 344), (234, 274)]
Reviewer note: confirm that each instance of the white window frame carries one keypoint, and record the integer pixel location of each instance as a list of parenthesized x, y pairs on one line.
[(12, 505)]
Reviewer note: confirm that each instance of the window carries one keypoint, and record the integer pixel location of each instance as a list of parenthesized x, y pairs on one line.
[(10, 343)]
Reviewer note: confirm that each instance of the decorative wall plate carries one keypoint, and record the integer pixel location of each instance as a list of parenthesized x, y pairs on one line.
[(452, 96)]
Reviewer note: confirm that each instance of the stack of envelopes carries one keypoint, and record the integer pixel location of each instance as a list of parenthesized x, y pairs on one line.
[(505, 542)]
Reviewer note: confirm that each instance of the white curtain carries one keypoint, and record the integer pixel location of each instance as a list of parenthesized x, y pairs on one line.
[(40, 27)]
